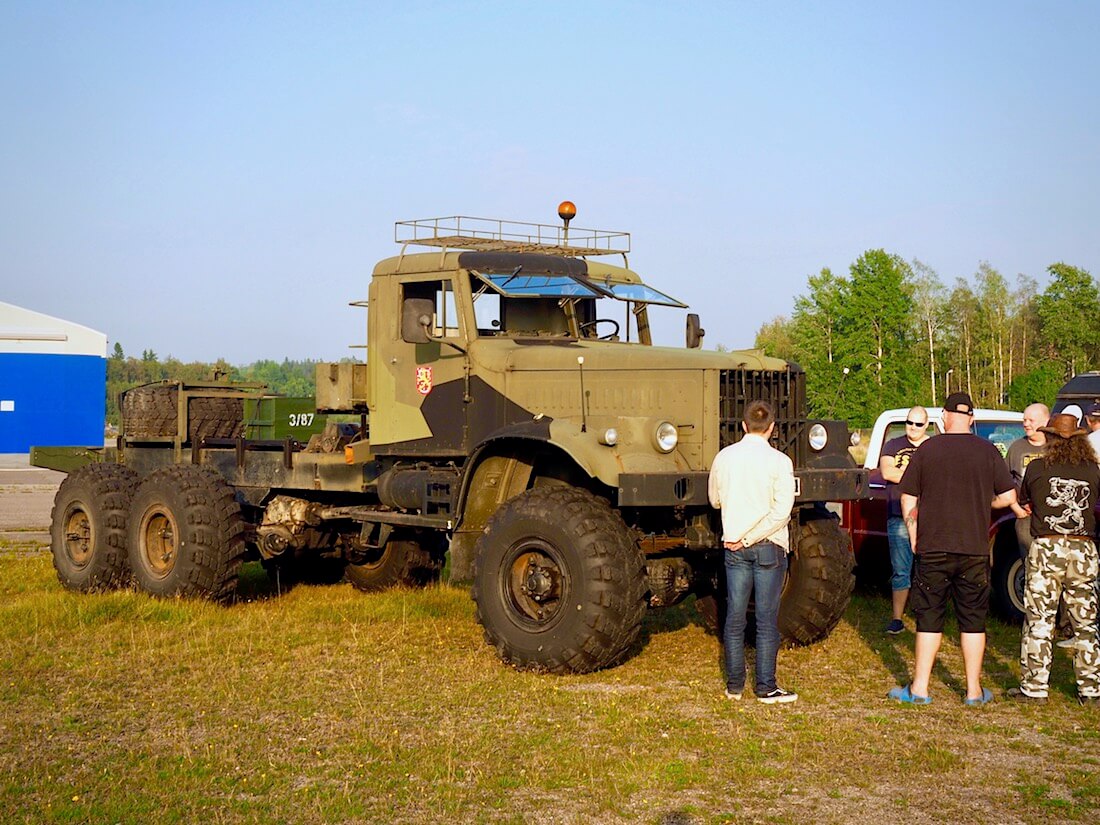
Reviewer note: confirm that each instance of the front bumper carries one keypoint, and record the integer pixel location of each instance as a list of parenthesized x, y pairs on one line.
[(688, 489)]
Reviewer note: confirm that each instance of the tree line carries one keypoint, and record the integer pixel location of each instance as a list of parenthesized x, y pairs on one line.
[(890, 333), (292, 378)]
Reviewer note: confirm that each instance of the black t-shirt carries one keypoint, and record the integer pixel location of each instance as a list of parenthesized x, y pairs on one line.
[(901, 450), (955, 476), (1062, 497)]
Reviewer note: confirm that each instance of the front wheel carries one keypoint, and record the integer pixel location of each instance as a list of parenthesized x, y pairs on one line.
[(818, 587), (819, 580), (559, 582)]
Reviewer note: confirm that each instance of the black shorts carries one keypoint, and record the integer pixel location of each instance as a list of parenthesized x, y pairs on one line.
[(963, 578)]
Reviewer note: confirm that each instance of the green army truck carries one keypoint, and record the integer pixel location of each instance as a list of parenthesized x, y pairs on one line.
[(514, 421)]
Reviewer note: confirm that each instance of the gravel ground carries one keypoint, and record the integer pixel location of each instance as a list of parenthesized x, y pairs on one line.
[(26, 496)]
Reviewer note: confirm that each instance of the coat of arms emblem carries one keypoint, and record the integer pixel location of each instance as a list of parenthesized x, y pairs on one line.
[(423, 380)]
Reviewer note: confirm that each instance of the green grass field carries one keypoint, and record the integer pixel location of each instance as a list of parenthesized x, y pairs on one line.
[(328, 705)]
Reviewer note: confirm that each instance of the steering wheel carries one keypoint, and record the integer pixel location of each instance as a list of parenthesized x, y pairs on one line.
[(611, 336)]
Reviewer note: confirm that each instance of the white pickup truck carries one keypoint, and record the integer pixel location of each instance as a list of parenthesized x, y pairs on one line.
[(865, 519)]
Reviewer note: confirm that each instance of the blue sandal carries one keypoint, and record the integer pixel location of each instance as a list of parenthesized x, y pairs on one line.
[(984, 699), (907, 697)]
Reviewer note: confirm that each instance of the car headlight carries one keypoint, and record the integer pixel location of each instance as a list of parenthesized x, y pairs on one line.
[(666, 436), (610, 437), (855, 438), (818, 437)]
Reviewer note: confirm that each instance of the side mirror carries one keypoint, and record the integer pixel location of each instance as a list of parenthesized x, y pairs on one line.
[(695, 332), (416, 320)]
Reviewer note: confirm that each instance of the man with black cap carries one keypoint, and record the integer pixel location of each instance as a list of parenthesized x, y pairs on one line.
[(1062, 488), (953, 479)]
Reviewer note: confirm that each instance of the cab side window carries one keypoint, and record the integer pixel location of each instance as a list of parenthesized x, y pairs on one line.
[(445, 321)]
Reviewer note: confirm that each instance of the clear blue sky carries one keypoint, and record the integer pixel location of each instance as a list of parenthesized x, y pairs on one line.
[(217, 179)]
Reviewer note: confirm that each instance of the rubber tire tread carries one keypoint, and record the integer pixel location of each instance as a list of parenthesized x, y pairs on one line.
[(1001, 583), (151, 410), (403, 562), (609, 587), (105, 490), (820, 581), (211, 546)]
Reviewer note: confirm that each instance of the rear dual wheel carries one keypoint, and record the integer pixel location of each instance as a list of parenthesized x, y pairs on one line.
[(88, 527), (186, 534)]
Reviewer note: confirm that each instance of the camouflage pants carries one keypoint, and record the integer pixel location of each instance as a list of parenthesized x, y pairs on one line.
[(1065, 568)]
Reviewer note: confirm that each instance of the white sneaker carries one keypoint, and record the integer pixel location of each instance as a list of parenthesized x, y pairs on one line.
[(777, 696)]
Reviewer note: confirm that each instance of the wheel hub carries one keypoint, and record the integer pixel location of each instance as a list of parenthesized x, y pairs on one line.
[(78, 537), (534, 585), (158, 540), (539, 581)]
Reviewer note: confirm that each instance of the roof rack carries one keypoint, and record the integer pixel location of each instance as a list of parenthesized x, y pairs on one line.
[(487, 234)]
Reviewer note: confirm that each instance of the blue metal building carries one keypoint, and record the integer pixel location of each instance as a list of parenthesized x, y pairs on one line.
[(53, 381)]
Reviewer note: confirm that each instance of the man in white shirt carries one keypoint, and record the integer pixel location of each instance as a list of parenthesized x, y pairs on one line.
[(753, 485)]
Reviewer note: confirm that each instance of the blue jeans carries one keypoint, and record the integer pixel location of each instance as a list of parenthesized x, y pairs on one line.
[(760, 568), (901, 554)]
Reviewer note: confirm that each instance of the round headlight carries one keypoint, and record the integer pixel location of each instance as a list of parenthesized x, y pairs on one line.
[(610, 437), (666, 436), (855, 438), (818, 437)]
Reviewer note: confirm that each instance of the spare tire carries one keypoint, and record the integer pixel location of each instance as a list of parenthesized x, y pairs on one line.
[(152, 411)]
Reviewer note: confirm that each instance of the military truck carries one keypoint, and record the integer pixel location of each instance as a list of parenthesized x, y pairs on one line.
[(515, 420)]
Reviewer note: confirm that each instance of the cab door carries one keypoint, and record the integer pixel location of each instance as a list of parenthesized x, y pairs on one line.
[(419, 394)]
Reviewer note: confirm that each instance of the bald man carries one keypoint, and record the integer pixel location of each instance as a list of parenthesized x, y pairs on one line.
[(1022, 452)]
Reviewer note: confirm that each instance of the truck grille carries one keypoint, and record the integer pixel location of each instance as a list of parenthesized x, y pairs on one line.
[(785, 391)]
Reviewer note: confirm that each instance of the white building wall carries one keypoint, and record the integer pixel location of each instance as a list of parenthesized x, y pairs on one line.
[(25, 331)]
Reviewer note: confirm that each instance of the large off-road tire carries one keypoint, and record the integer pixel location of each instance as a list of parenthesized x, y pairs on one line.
[(399, 562), (186, 534), (152, 410), (559, 582), (88, 527), (818, 587), (819, 579)]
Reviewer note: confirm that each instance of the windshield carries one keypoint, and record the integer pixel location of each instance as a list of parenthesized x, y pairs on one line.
[(643, 294), (520, 284), (519, 304), (531, 286)]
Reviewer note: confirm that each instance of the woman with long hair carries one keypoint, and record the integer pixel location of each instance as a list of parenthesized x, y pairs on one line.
[(1061, 489)]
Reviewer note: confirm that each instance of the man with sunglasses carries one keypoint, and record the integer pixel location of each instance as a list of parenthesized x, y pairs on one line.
[(892, 463), (954, 479)]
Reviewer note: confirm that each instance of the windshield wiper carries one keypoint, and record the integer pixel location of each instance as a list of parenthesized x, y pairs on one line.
[(511, 277)]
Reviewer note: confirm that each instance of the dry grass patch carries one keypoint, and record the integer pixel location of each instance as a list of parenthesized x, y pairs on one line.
[(327, 705)]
